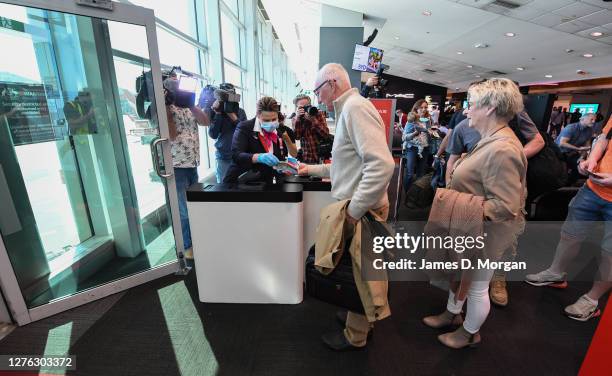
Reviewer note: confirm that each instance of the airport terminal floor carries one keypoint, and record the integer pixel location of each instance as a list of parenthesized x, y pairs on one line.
[(162, 329), (305, 187)]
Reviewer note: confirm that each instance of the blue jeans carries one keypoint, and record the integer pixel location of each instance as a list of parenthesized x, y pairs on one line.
[(415, 165), (585, 210), (185, 177), (222, 166)]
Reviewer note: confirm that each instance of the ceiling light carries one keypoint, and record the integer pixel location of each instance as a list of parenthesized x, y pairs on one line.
[(596, 34), (459, 53), (426, 13), (396, 38), (569, 50), (548, 76), (510, 34), (469, 66), (477, 76), (456, 88), (588, 55), (481, 45), (520, 68)]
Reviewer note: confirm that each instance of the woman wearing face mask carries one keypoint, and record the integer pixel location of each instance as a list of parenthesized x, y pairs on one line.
[(257, 145)]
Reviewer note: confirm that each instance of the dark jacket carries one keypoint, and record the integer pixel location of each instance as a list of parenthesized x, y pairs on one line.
[(222, 130), (245, 143)]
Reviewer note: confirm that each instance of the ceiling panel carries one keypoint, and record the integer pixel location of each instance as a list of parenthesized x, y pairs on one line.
[(587, 33), (576, 10), (549, 20), (598, 18), (527, 12), (550, 5), (599, 3), (573, 26)]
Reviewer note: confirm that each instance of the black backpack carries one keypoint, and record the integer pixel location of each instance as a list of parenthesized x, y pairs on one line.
[(547, 170)]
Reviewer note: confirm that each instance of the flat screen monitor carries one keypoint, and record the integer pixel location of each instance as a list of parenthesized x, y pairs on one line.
[(367, 59), (465, 104), (584, 108)]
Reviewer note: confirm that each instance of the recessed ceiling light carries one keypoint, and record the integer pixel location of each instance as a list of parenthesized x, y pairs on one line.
[(469, 66), (520, 68), (396, 38), (510, 34), (477, 76), (481, 45), (596, 34), (456, 88), (588, 55), (426, 13), (548, 76), (569, 50), (459, 53)]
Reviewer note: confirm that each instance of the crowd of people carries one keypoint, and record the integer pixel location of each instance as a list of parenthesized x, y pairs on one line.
[(483, 153)]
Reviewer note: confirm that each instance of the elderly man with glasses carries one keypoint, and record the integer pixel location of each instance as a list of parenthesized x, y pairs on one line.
[(361, 169)]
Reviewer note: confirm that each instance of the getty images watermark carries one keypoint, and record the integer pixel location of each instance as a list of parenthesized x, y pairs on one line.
[(407, 252)]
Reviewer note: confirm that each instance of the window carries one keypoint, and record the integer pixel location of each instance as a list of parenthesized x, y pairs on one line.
[(177, 13), (174, 51), (230, 37)]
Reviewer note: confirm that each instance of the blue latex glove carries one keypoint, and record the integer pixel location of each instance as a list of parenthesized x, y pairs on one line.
[(268, 159)]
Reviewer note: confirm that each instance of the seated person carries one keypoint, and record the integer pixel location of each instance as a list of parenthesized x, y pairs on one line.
[(256, 144), (574, 141)]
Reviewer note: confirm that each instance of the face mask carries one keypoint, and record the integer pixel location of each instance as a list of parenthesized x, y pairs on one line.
[(269, 126)]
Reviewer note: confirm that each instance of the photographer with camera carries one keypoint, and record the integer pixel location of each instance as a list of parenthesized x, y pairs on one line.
[(310, 128), (183, 120), (225, 114), (377, 83)]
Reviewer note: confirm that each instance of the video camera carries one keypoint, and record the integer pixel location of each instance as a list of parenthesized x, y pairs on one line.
[(311, 110), (228, 98), (180, 88), (379, 72), (179, 91)]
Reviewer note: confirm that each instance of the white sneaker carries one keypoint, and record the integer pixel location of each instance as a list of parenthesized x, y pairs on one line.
[(547, 278), (583, 310)]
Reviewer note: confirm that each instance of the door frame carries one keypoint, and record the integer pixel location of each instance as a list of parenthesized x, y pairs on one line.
[(132, 14)]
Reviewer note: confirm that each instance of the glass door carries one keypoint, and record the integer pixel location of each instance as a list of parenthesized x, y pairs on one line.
[(87, 209)]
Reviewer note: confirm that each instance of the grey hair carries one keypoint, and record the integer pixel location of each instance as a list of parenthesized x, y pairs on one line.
[(334, 71), (587, 115)]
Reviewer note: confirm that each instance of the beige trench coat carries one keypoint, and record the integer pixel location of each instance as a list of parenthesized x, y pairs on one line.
[(332, 233)]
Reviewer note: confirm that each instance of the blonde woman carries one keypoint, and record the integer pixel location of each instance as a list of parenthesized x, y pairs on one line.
[(494, 170)]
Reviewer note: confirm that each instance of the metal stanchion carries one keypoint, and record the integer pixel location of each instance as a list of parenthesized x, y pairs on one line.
[(399, 188)]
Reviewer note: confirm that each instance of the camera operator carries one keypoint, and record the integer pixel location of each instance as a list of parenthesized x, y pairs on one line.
[(288, 135), (370, 84), (222, 130), (310, 128), (185, 141)]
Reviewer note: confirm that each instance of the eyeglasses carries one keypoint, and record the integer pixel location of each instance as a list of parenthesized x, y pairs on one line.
[(318, 88)]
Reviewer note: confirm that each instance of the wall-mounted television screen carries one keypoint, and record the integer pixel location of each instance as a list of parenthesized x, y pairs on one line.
[(367, 59), (465, 104), (584, 108)]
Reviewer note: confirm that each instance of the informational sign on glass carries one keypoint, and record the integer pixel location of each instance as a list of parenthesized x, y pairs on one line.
[(24, 106)]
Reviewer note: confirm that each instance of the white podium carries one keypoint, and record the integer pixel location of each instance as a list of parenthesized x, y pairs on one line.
[(317, 195), (247, 242)]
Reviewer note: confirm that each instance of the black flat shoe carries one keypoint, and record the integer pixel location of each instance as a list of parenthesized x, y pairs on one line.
[(338, 342)]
